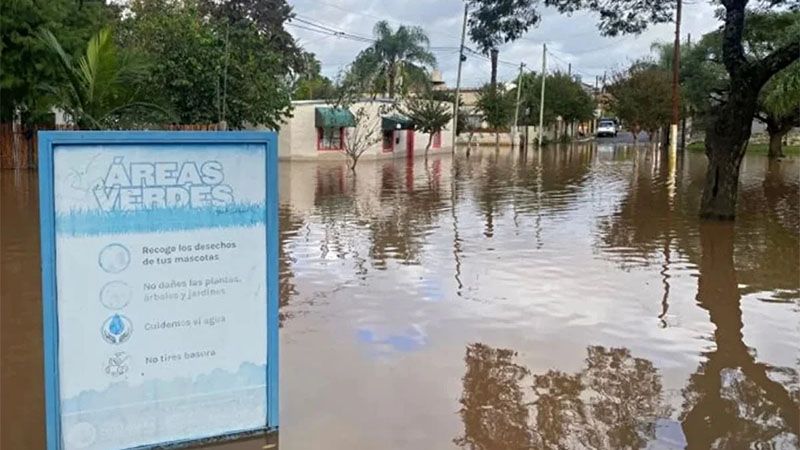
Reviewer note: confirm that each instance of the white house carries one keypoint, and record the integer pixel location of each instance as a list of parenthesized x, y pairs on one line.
[(317, 130)]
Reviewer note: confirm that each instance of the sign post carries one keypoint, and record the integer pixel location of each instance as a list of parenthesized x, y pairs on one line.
[(159, 261)]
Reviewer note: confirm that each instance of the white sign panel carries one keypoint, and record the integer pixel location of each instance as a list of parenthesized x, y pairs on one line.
[(161, 291)]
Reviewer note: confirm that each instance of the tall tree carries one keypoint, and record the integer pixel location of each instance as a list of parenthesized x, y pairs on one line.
[(706, 81), (210, 67), (641, 97), (268, 18), (24, 56), (564, 97), (310, 84), (396, 55), (494, 22), (497, 108), (780, 107), (730, 128), (100, 88)]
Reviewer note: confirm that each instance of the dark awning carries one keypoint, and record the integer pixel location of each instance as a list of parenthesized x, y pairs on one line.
[(329, 117), (396, 123)]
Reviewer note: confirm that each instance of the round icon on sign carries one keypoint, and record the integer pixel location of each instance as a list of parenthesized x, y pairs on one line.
[(117, 364), (117, 329), (115, 294), (114, 258), (81, 435)]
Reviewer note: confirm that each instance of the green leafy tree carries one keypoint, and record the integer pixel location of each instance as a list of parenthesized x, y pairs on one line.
[(642, 97), (494, 22), (25, 57), (497, 108), (564, 97), (210, 67), (780, 107), (99, 91), (730, 126), (187, 55), (706, 81), (267, 18), (310, 83), (400, 54), (428, 115)]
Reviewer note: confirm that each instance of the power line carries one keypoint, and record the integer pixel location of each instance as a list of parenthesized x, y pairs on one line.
[(574, 69), (317, 26), (330, 29), (387, 19)]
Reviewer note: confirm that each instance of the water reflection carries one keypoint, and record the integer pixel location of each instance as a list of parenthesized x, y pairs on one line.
[(614, 402), (595, 310), (492, 406), (733, 401)]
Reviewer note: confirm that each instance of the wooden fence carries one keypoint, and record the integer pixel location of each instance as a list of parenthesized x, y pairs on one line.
[(19, 145)]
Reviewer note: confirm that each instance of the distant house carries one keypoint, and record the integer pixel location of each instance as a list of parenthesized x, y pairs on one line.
[(318, 130)]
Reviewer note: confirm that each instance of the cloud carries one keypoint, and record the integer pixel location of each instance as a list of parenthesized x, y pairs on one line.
[(572, 39)]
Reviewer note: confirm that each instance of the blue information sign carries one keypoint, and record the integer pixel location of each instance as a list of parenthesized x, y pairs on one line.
[(160, 287)]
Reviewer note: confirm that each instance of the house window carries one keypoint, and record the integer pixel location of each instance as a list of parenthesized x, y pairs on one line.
[(330, 138), (437, 139), (388, 140)]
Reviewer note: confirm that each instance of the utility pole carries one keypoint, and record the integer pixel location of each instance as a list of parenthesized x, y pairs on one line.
[(569, 70), (458, 78), (516, 108), (541, 98), (683, 116), (676, 70)]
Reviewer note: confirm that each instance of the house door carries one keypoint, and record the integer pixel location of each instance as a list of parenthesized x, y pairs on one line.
[(409, 143)]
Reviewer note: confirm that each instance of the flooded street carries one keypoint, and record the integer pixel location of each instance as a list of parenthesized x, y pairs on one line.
[(568, 298)]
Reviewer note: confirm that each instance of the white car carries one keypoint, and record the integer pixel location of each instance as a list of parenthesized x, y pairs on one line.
[(606, 128)]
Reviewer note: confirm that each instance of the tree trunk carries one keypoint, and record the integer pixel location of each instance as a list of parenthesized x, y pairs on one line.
[(493, 54), (777, 130), (776, 145), (428, 147), (726, 142), (726, 139), (496, 139), (390, 78)]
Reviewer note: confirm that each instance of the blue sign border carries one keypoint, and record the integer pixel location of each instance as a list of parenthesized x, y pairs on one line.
[(47, 141)]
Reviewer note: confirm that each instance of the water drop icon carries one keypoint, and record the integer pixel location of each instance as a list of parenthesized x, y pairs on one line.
[(116, 326), (116, 329)]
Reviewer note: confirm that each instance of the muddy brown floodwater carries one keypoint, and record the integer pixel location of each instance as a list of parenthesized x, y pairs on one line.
[(565, 299)]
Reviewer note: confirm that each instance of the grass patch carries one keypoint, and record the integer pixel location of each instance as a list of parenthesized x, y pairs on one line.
[(96, 222), (752, 149)]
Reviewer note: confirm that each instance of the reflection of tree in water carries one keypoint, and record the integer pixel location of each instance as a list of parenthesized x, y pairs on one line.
[(548, 182), (493, 409), (648, 223), (732, 401), (533, 183), (289, 225), (407, 210), (768, 250), (613, 403), (647, 219), (406, 214)]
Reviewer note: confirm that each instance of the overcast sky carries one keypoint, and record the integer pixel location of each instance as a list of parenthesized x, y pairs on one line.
[(571, 39)]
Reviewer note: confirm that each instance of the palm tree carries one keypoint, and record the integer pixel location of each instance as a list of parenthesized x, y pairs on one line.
[(396, 54), (99, 89)]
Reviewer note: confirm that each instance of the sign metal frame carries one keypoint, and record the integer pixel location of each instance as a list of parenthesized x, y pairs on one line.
[(48, 140)]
